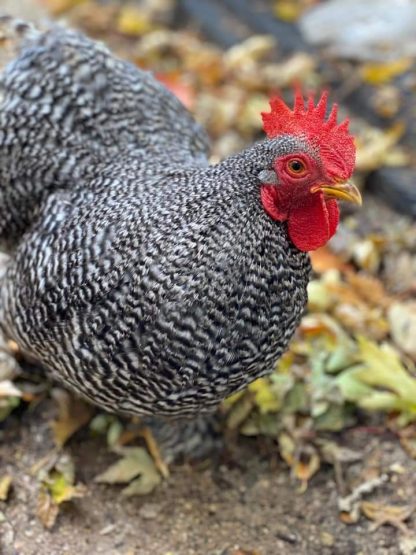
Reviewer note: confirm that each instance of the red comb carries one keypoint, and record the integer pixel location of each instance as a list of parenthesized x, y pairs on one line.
[(335, 144)]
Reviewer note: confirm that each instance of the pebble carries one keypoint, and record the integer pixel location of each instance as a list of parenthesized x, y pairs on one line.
[(327, 539), (149, 512)]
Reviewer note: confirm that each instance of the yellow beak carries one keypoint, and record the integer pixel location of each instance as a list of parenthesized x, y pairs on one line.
[(341, 191)]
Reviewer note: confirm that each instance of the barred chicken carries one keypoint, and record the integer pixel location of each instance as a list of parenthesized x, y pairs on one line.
[(141, 277)]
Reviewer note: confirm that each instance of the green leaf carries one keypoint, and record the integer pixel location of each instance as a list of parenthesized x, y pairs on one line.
[(135, 463), (143, 485), (380, 381), (61, 490)]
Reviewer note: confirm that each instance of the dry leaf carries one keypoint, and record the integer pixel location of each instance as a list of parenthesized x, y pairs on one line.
[(47, 510), (57, 7), (376, 146), (57, 487), (297, 68), (369, 288), (324, 259), (387, 514), (402, 319), (248, 52), (8, 389), (381, 73), (135, 464), (288, 10), (61, 489), (73, 415), (133, 21), (264, 397), (306, 465), (181, 89), (5, 483)]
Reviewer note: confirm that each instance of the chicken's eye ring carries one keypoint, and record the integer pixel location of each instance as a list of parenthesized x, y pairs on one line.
[(296, 167)]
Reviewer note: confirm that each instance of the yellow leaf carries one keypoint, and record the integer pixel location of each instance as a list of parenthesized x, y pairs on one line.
[(56, 486), (5, 483), (264, 397), (288, 10), (232, 399), (73, 415), (132, 21), (381, 73), (61, 490), (376, 145), (250, 50), (239, 412), (383, 368), (287, 448)]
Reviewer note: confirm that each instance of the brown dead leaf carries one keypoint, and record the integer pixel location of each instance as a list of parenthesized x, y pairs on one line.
[(306, 465), (303, 460), (349, 518), (92, 20), (324, 259), (181, 89), (57, 7), (73, 415), (387, 514), (47, 510), (369, 288)]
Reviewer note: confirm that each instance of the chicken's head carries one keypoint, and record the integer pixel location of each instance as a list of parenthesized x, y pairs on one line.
[(311, 172)]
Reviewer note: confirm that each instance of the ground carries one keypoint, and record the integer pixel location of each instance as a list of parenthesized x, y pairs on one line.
[(244, 503)]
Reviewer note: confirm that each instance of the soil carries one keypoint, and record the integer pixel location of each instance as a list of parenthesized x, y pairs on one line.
[(244, 502)]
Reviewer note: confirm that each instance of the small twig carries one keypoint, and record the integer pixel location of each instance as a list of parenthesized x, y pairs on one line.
[(155, 452), (349, 504)]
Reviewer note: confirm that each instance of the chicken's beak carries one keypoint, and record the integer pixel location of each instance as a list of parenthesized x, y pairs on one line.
[(341, 191)]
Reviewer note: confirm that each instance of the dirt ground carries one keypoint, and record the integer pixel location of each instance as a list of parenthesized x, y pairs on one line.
[(244, 503)]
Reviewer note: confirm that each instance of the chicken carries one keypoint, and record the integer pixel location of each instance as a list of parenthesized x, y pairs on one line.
[(142, 277)]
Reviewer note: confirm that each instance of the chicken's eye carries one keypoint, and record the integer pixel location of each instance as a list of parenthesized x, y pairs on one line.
[(296, 167)]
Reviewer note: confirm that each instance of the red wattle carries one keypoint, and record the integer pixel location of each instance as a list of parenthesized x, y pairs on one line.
[(310, 224), (333, 215)]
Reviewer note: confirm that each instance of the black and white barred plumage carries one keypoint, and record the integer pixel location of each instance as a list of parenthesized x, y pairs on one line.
[(141, 277)]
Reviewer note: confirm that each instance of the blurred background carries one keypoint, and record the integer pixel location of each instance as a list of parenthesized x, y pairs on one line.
[(339, 414)]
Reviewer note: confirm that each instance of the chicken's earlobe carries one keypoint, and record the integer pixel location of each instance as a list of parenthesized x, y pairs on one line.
[(268, 177)]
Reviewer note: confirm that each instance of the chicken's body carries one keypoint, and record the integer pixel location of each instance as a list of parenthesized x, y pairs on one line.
[(141, 277)]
